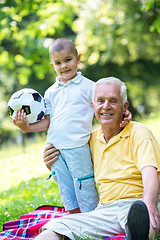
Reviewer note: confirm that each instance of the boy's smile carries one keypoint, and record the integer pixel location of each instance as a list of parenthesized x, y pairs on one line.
[(65, 64)]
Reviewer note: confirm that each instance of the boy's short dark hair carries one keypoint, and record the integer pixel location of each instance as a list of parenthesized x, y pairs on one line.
[(60, 44)]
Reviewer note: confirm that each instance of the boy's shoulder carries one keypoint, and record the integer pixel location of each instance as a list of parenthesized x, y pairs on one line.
[(87, 80), (51, 87)]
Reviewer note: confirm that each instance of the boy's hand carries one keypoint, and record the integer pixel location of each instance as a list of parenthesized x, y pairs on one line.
[(127, 118), (21, 120)]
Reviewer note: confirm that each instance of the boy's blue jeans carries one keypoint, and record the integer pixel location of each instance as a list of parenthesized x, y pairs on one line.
[(73, 172)]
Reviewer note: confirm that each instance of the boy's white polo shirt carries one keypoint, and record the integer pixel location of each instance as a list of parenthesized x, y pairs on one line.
[(71, 112)]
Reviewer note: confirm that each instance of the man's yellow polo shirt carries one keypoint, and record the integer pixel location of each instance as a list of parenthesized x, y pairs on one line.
[(118, 164)]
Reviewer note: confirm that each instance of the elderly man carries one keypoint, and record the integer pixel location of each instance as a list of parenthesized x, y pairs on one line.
[(126, 167)]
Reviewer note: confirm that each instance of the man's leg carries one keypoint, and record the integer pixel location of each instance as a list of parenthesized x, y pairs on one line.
[(49, 235), (98, 224)]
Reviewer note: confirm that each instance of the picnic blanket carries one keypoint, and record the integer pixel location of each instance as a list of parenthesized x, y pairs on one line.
[(28, 225)]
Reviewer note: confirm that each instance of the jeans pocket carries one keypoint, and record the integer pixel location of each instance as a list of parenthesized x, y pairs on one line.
[(85, 178)]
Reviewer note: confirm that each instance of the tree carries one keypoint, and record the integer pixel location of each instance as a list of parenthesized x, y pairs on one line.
[(114, 39), (152, 9), (27, 29)]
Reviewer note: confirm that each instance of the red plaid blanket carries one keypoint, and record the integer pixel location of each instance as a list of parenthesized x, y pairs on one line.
[(27, 227)]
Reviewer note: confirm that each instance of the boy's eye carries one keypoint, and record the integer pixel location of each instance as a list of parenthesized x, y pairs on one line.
[(57, 63), (68, 59)]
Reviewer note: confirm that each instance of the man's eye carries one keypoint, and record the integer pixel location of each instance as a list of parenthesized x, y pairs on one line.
[(100, 101)]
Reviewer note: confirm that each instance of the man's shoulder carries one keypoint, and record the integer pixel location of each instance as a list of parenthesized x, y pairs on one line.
[(140, 130), (96, 131)]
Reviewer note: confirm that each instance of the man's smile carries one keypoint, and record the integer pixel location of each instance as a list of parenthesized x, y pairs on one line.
[(107, 114)]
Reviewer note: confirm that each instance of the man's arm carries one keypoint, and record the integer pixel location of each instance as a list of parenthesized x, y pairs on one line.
[(21, 122), (150, 195)]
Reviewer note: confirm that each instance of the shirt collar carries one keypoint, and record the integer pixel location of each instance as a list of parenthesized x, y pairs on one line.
[(75, 80), (123, 134)]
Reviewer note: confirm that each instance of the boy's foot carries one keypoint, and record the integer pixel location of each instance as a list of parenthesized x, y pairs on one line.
[(138, 222)]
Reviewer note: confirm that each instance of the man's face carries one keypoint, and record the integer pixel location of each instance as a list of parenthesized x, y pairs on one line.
[(65, 64), (108, 105)]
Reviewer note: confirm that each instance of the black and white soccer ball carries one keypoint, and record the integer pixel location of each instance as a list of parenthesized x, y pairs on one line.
[(29, 100)]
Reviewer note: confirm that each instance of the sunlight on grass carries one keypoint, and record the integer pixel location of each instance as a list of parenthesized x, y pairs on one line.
[(23, 184), (17, 164)]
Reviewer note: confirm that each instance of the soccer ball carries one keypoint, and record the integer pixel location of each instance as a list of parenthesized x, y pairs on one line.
[(29, 100)]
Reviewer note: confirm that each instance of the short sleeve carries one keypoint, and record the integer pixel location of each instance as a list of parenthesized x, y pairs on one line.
[(48, 106), (148, 154)]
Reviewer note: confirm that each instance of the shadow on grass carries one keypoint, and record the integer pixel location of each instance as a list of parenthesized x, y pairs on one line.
[(26, 197)]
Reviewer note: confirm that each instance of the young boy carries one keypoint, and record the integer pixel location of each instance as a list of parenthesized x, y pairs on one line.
[(68, 119)]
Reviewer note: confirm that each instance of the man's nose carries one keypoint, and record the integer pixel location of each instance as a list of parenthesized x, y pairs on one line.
[(106, 105)]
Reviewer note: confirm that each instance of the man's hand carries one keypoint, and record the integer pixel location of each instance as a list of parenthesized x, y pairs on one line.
[(21, 120), (50, 155), (127, 118)]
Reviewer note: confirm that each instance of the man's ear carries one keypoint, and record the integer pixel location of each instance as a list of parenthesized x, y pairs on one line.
[(126, 104), (52, 64)]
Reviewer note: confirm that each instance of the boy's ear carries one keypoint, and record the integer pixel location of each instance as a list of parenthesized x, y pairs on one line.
[(51, 64), (78, 57)]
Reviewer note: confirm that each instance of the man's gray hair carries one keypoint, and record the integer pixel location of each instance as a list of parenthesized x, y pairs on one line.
[(113, 80)]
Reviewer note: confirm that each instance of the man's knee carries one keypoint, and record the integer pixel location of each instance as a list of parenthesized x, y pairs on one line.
[(49, 235)]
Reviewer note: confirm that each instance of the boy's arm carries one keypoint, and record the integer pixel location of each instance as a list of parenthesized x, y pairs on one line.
[(126, 119), (21, 122)]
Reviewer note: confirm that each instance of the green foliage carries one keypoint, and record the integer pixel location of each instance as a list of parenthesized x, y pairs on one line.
[(152, 9), (114, 38), (115, 31), (27, 29)]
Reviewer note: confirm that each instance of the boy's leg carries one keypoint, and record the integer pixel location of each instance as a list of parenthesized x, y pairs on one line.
[(62, 176), (80, 165)]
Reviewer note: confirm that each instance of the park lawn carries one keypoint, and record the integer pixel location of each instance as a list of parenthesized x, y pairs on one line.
[(23, 184)]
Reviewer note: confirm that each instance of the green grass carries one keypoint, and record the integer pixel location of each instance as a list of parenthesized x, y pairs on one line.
[(23, 184)]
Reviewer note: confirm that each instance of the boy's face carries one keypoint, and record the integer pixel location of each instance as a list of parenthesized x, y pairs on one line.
[(65, 64)]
